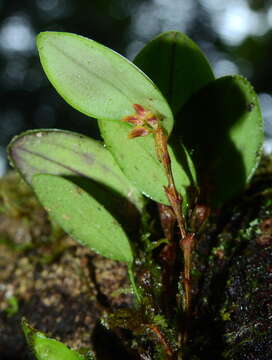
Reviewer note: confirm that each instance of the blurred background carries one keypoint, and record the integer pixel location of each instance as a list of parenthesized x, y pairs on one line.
[(235, 35)]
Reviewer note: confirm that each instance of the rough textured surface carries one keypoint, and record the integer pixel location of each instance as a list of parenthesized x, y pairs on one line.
[(248, 306), (59, 298), (62, 288), (234, 302), (248, 309), (59, 286)]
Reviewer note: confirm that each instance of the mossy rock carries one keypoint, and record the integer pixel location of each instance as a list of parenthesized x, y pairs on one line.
[(234, 310), (59, 286), (62, 288)]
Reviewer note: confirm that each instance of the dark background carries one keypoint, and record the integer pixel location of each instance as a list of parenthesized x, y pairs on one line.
[(236, 36)]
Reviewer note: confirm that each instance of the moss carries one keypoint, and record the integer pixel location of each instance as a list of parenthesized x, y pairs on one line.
[(233, 306), (58, 285), (63, 289), (248, 298)]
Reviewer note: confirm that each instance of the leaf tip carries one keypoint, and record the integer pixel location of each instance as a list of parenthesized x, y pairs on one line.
[(44, 36), (12, 154), (39, 39)]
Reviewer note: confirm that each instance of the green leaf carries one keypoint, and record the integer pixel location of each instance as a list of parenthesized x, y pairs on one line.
[(82, 216), (45, 348), (96, 80), (176, 65), (101, 83), (13, 306), (222, 127), (138, 160), (178, 68), (60, 152)]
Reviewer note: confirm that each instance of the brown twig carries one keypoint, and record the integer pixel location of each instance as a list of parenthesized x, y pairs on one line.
[(162, 340)]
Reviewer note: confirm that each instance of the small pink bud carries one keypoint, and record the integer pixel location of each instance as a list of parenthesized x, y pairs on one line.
[(152, 121), (138, 131), (134, 120), (139, 109)]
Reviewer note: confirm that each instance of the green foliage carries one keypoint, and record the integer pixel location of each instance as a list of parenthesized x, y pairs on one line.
[(72, 204), (176, 65), (100, 83), (96, 80), (45, 348), (222, 128), (193, 164), (141, 165), (13, 306), (66, 153), (178, 68)]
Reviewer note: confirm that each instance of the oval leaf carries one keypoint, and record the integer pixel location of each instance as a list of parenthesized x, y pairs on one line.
[(96, 80), (61, 152), (176, 65), (82, 216), (138, 160), (222, 126), (45, 348)]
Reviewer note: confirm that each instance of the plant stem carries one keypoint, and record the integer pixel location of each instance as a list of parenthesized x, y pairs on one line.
[(187, 240), (168, 257), (146, 122), (171, 191), (133, 284), (167, 349)]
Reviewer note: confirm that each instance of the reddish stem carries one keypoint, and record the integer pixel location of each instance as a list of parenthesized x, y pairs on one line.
[(162, 340)]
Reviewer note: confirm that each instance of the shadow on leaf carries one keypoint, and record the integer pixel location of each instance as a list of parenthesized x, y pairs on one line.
[(211, 126), (124, 211)]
